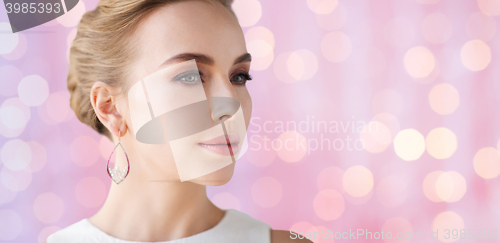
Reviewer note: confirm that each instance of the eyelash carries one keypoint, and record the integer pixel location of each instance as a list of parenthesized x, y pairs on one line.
[(245, 75)]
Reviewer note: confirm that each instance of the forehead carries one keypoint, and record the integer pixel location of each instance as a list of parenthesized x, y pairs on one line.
[(188, 26)]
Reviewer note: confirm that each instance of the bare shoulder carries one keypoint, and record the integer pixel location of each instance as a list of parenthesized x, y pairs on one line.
[(283, 236)]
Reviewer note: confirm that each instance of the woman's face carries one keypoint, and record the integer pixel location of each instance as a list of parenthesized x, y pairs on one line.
[(171, 43)]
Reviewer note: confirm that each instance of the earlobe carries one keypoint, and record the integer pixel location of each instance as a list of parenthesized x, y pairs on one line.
[(105, 109)]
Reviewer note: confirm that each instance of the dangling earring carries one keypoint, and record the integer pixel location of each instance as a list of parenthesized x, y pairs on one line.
[(117, 174)]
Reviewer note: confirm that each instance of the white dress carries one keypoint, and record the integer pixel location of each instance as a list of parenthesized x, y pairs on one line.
[(235, 227)]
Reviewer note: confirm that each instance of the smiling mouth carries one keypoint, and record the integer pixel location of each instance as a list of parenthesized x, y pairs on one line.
[(222, 145)]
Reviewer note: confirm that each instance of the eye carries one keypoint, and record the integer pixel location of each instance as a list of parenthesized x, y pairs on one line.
[(241, 78), (189, 78)]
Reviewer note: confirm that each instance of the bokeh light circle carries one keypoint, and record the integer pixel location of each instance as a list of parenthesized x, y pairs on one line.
[(447, 220), (489, 7), (487, 163), (334, 20), (19, 105), (302, 64), (57, 107), (84, 151), (437, 28), (262, 63), (444, 99), (441, 143), (357, 181), (450, 186), (419, 62), (329, 204), (409, 144), (481, 26), (358, 200), (280, 67), (20, 50), (336, 46), (9, 39), (16, 180), (226, 200), (263, 52), (11, 224), (267, 192), (390, 121), (248, 12), (322, 6), (16, 154), (291, 146), (475, 55), (260, 43), (260, 33), (376, 137), (259, 48), (33, 90), (48, 207), (90, 192), (444, 186), (436, 72), (12, 117), (429, 186)]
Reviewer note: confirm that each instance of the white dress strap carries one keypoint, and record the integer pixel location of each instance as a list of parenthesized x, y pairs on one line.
[(234, 227)]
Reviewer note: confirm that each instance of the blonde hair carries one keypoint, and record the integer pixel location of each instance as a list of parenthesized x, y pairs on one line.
[(99, 52)]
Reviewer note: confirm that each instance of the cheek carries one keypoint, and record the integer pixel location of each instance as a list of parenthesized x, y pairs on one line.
[(158, 160), (246, 104)]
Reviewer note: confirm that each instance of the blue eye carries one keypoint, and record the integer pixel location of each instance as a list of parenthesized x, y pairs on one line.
[(189, 78), (241, 78)]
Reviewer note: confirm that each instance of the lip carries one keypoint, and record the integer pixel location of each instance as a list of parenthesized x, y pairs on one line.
[(219, 145)]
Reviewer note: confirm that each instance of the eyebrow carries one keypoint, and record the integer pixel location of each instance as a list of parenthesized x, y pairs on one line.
[(201, 58)]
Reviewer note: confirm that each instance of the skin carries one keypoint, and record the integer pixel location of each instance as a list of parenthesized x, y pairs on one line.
[(170, 209)]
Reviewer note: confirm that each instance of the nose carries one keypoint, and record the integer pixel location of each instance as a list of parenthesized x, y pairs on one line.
[(223, 108), (222, 98)]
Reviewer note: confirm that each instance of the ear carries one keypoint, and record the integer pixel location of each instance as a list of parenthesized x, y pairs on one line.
[(104, 103)]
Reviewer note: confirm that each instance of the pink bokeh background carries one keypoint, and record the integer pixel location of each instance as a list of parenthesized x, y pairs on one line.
[(423, 73)]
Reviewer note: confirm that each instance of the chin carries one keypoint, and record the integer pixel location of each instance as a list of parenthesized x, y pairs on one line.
[(216, 178)]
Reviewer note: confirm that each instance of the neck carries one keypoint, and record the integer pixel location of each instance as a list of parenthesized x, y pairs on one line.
[(141, 210)]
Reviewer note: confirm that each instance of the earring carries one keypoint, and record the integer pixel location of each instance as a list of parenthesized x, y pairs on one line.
[(117, 174)]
